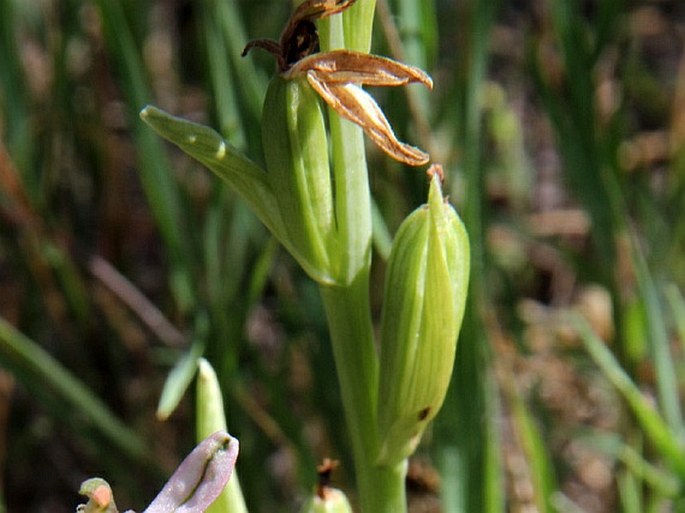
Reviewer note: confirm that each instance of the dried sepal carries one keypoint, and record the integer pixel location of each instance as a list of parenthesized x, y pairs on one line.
[(337, 75), (347, 66), (353, 103)]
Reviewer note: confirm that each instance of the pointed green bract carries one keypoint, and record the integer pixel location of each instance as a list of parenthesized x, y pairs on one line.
[(425, 294), (296, 151), (207, 147), (295, 198)]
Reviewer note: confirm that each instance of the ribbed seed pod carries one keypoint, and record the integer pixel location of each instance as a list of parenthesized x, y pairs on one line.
[(296, 150), (425, 293)]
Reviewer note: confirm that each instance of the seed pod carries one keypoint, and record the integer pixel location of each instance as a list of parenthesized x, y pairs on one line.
[(425, 293), (296, 151)]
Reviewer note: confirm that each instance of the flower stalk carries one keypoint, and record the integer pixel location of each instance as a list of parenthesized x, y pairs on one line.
[(314, 196)]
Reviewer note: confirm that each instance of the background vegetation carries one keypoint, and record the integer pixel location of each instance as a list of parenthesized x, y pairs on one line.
[(562, 127)]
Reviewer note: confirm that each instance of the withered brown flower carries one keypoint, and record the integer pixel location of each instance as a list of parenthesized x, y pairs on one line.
[(337, 76)]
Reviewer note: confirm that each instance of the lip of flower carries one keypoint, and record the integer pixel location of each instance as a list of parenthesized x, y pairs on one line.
[(337, 76)]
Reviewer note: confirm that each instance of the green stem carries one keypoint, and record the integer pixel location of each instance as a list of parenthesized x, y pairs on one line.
[(381, 489)]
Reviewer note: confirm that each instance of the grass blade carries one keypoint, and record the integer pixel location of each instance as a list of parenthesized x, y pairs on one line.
[(654, 426), (36, 368), (161, 190)]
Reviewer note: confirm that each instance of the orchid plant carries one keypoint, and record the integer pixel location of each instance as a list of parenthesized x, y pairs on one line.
[(314, 197)]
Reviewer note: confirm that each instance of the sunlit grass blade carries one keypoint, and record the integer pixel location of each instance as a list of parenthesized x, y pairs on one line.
[(677, 305), (654, 426), (659, 343), (40, 372), (541, 468), (629, 492), (494, 493), (178, 380), (631, 454), (659, 480)]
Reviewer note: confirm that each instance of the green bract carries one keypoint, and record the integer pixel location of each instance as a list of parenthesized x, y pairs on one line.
[(296, 151), (425, 294), (294, 198)]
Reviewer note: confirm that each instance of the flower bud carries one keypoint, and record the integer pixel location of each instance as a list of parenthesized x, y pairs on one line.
[(100, 498), (200, 477), (296, 151), (329, 500), (210, 417), (425, 293)]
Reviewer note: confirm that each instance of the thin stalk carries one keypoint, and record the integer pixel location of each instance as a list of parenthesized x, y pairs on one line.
[(381, 489)]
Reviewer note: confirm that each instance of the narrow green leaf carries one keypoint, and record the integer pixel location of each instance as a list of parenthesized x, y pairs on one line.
[(659, 344), (178, 380), (541, 468), (33, 366), (208, 147), (160, 188), (677, 304), (629, 492), (656, 429)]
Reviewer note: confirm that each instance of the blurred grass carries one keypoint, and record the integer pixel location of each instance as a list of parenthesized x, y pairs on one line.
[(560, 126)]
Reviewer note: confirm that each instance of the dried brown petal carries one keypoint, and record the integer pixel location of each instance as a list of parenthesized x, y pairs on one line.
[(346, 66), (353, 103)]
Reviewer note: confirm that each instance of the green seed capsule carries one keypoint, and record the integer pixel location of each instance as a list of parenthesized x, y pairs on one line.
[(296, 150), (425, 293), (330, 500)]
